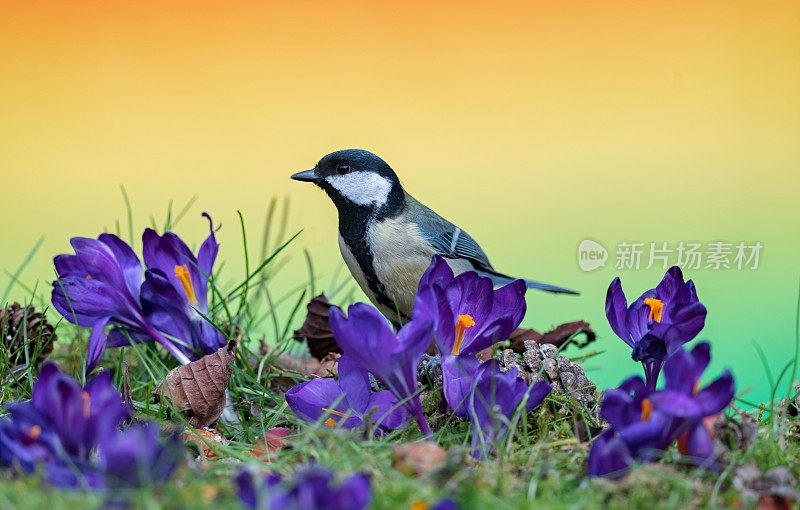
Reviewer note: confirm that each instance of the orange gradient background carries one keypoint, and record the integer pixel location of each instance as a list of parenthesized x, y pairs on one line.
[(534, 125)]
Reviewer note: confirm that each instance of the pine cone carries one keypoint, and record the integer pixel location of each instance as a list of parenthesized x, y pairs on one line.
[(735, 434), (316, 330), (27, 338), (544, 362)]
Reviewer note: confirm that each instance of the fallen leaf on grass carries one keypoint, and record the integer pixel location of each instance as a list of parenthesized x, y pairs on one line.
[(329, 367), (198, 389), (273, 442), (199, 440), (126, 387), (316, 330), (557, 336), (418, 458)]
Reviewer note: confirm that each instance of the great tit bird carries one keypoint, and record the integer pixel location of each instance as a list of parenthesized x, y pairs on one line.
[(387, 238)]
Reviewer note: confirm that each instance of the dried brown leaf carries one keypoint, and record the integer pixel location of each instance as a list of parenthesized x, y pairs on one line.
[(198, 389), (304, 366), (329, 366), (316, 330), (418, 458), (557, 336), (126, 387)]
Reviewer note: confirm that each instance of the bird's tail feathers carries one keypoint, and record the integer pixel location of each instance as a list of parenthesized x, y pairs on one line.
[(501, 279)]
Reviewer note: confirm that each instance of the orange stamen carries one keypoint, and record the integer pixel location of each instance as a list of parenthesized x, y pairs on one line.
[(35, 431), (656, 308), (647, 409), (419, 505), (185, 277), (330, 422), (463, 323), (87, 403)]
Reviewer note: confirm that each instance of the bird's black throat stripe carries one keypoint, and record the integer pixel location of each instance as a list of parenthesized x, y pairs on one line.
[(354, 223)]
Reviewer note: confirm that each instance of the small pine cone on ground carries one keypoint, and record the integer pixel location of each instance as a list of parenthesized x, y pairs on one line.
[(27, 338), (543, 362)]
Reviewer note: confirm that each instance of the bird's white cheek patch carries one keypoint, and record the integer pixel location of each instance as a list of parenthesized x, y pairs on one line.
[(362, 188)]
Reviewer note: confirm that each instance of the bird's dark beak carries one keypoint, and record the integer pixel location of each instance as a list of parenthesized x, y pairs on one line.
[(306, 176)]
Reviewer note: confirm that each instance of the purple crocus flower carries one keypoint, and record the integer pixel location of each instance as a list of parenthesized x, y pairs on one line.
[(495, 397), (691, 406), (99, 286), (72, 434), (139, 456), (470, 315), (176, 288), (659, 322), (367, 338), (311, 488), (347, 403), (62, 426), (638, 431)]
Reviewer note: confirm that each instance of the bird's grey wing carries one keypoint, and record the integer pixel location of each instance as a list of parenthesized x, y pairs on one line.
[(447, 239), (452, 242)]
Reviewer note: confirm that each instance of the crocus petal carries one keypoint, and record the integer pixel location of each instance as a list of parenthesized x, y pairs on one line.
[(68, 265), (97, 343), (246, 488), (139, 456), (701, 357), (617, 408), (439, 273), (84, 302), (355, 493), (679, 372), (670, 284), (106, 409), (127, 260), (384, 410), (354, 381), (716, 396), (697, 444), (98, 261), (207, 254), (165, 309), (365, 335), (616, 308), (309, 400), (536, 395), (646, 436), (689, 320), (677, 404), (609, 456), (510, 301), (458, 375)]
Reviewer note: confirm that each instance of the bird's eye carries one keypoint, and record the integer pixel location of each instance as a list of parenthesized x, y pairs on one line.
[(343, 169)]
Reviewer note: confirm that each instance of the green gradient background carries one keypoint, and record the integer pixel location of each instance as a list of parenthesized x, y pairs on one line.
[(533, 126)]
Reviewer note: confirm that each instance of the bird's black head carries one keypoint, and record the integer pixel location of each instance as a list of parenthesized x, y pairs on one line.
[(357, 180)]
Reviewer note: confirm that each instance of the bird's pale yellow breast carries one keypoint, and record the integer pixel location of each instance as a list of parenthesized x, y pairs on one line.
[(400, 257)]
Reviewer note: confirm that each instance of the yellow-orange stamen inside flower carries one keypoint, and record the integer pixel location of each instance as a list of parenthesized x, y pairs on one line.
[(647, 409), (330, 422), (182, 272), (656, 308), (35, 431), (419, 505), (463, 323), (87, 403)]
